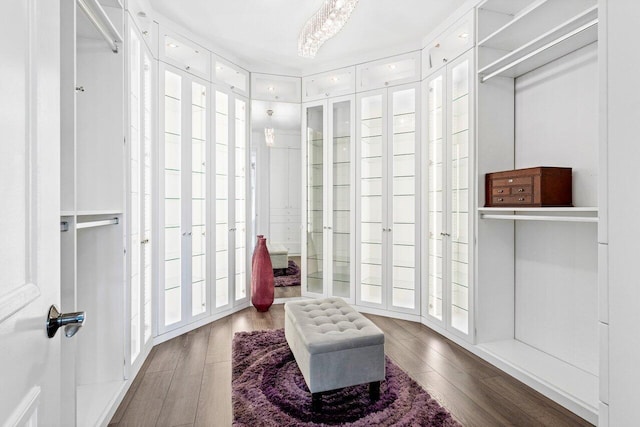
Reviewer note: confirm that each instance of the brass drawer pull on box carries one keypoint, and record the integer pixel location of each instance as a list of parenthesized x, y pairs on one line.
[(521, 199), (520, 190)]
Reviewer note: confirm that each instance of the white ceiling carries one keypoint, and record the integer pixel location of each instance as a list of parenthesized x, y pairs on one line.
[(264, 33)]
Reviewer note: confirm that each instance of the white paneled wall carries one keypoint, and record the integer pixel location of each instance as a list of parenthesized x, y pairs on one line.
[(556, 265)]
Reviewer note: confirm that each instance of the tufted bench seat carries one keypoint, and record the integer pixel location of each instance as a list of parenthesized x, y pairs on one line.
[(334, 346), (279, 255)]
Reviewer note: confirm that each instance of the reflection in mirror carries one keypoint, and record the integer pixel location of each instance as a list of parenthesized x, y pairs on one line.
[(276, 189)]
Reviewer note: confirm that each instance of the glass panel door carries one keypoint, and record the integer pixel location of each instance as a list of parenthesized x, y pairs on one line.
[(435, 186), (135, 239), (403, 190), (341, 128), (240, 227), (222, 296), (315, 199), (172, 198), (199, 114), (459, 203), (148, 190), (371, 203)]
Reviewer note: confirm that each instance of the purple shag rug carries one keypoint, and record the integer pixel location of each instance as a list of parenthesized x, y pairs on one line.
[(289, 276), (269, 390)]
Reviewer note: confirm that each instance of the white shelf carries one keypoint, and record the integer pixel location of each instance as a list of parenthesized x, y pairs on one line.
[(577, 32), (67, 213), (541, 214), (532, 34), (532, 21), (98, 212), (575, 388)]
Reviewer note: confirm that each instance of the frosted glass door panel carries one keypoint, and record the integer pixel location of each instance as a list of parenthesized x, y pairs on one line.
[(148, 190), (135, 197), (435, 98), (371, 203), (459, 203), (172, 198), (222, 296), (240, 227), (341, 162), (315, 199), (198, 199), (403, 165)]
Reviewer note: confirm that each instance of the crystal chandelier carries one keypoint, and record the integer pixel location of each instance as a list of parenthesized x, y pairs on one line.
[(269, 132), (326, 23)]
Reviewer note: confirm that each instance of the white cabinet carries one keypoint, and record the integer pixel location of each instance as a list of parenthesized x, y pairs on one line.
[(537, 268), (388, 182), (391, 71), (183, 188), (230, 76), (270, 87), (328, 266), (453, 42), (94, 363), (449, 196), (231, 160), (330, 84), (184, 54), (142, 89)]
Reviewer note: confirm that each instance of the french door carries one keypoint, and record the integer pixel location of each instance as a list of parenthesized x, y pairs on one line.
[(387, 193), (184, 191)]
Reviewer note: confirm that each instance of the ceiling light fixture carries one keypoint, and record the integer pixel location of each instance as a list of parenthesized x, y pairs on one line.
[(172, 45), (326, 23), (269, 131)]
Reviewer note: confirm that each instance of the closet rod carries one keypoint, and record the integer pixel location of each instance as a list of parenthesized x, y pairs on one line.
[(541, 218), (541, 49), (101, 21), (91, 224)]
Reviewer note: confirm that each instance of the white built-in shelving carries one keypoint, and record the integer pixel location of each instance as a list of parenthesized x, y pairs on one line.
[(537, 297), (328, 244), (93, 181), (524, 35)]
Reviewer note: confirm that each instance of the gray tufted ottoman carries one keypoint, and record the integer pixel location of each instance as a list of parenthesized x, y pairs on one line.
[(334, 346)]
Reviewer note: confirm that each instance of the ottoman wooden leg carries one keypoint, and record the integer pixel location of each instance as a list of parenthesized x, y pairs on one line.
[(374, 390), (316, 402)]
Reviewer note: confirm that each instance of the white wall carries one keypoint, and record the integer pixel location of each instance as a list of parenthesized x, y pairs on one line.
[(556, 263), (623, 119)]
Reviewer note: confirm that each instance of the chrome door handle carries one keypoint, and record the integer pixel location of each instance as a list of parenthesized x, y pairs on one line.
[(71, 321)]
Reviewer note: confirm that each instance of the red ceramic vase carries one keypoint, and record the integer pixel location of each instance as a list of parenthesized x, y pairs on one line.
[(262, 288), (253, 257)]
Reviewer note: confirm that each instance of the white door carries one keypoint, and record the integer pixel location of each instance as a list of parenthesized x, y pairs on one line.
[(30, 194)]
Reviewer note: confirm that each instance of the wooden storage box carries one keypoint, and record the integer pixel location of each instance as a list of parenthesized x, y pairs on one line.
[(531, 187)]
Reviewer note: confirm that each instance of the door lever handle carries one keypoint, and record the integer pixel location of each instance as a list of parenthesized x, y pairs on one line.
[(71, 321)]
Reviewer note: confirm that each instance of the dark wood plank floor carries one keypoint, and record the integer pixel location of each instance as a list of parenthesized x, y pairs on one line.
[(187, 381)]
